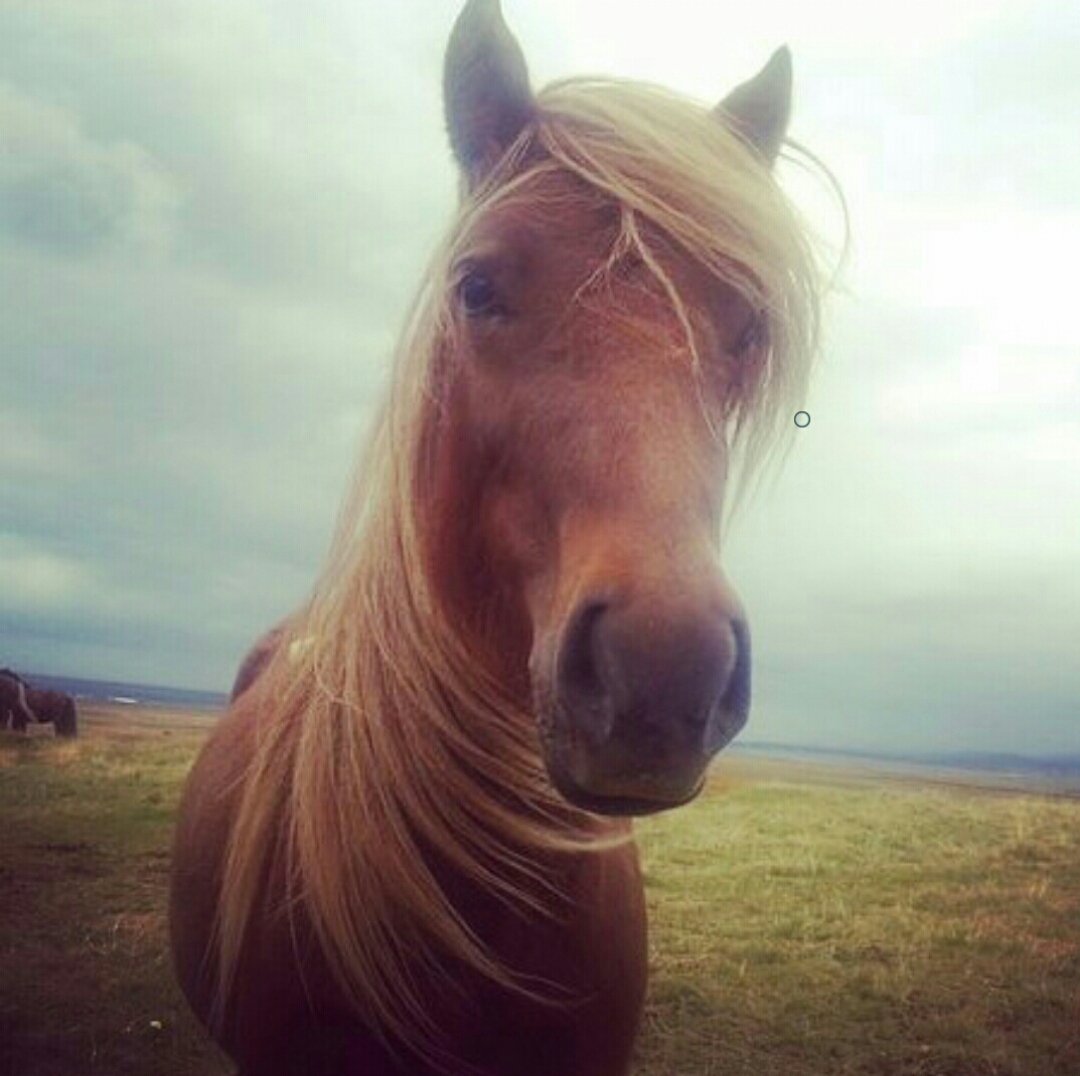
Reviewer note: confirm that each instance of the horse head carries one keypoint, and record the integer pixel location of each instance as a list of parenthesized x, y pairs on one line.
[(605, 333)]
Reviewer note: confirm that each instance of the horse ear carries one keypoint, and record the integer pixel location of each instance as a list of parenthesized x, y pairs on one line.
[(486, 92), (758, 110)]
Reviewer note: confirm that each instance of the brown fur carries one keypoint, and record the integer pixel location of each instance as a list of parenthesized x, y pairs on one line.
[(400, 851), (255, 661), (292, 1018)]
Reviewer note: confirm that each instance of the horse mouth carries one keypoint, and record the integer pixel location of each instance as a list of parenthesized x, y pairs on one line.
[(621, 804), (586, 778)]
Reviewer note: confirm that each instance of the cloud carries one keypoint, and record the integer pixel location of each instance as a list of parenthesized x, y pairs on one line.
[(31, 579), (212, 218), (61, 190)]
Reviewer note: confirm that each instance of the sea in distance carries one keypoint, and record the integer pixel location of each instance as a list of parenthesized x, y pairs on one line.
[(122, 693), (1054, 773)]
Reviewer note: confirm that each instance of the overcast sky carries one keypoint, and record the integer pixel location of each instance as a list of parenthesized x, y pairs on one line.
[(213, 215)]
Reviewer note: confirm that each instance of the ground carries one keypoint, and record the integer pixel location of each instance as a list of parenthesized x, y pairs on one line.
[(805, 920)]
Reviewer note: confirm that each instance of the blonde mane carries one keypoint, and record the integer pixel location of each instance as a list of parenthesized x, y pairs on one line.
[(381, 735)]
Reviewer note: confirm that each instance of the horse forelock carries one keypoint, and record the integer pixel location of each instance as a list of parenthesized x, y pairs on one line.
[(669, 165), (384, 734)]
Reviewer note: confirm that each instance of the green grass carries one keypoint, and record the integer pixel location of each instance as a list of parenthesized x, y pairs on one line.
[(796, 928), (85, 984), (806, 929)]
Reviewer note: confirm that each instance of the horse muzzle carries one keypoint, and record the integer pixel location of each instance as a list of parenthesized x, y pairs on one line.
[(635, 697)]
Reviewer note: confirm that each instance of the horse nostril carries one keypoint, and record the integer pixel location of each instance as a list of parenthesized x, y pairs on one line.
[(632, 677), (580, 677), (734, 704)]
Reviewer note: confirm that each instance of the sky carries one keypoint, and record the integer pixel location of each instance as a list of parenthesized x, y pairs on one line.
[(213, 217)]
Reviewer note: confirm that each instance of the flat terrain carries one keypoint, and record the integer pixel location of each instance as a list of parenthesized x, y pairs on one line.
[(806, 920)]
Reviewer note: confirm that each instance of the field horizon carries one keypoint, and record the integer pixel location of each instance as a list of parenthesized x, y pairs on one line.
[(1056, 772)]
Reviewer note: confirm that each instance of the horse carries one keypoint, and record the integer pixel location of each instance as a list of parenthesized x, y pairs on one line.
[(21, 704), (255, 660), (13, 709), (407, 845)]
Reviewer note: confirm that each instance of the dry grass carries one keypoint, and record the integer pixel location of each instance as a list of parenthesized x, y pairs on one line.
[(798, 927), (807, 929), (85, 985)]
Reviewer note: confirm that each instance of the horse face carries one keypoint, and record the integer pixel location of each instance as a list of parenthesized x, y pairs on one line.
[(593, 491), (578, 462)]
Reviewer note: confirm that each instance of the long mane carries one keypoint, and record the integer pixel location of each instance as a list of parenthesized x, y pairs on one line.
[(380, 735)]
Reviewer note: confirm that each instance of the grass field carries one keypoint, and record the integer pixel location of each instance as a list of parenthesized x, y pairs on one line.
[(799, 927)]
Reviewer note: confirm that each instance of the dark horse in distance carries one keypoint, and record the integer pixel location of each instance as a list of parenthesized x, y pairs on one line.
[(406, 848), (21, 704)]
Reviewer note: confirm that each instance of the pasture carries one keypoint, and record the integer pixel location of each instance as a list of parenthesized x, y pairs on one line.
[(803, 922)]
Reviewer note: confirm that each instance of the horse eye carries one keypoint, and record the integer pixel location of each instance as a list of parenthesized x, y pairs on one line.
[(478, 295), (755, 333)]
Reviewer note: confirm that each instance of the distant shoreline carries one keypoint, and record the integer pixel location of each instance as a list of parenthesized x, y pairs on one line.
[(985, 771), (148, 705), (1052, 764), (125, 693)]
